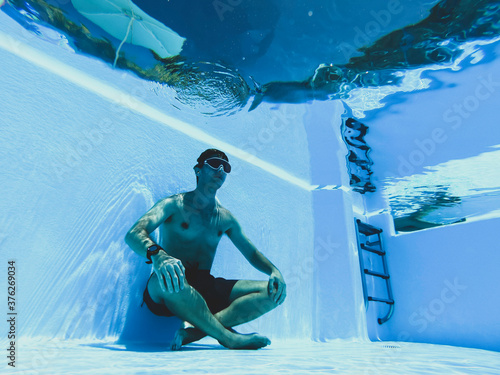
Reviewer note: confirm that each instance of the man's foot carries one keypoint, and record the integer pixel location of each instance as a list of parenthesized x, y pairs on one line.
[(186, 335), (250, 341)]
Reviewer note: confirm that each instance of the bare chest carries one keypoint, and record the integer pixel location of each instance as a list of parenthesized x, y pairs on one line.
[(195, 228), (192, 238)]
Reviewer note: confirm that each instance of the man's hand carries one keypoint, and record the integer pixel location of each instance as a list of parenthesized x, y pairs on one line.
[(277, 287), (170, 272)]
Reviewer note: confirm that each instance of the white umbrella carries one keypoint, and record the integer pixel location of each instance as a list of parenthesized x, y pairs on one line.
[(126, 21)]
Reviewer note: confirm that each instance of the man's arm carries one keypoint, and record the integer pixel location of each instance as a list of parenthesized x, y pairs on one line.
[(276, 286), (169, 270)]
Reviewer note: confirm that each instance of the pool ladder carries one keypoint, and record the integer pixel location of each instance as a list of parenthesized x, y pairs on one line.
[(364, 232)]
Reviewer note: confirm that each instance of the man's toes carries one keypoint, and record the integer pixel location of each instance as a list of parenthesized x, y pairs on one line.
[(178, 339)]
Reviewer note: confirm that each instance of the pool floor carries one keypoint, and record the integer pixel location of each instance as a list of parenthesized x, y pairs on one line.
[(37, 356)]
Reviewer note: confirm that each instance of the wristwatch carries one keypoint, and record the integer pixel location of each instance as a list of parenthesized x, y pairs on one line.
[(152, 250)]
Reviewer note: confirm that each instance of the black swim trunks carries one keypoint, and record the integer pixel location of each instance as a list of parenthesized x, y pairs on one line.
[(215, 291)]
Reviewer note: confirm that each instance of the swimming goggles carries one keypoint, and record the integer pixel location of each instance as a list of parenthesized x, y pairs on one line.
[(215, 163)]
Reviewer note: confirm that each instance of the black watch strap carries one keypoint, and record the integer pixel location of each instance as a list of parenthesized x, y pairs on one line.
[(152, 250)]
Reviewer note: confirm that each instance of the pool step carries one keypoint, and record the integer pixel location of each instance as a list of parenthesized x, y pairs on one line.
[(367, 229), (377, 274), (376, 299), (372, 250), (366, 242)]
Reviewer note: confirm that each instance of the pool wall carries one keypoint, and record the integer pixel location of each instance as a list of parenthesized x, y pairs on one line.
[(445, 283), (82, 160), (445, 279), (338, 298), (80, 168)]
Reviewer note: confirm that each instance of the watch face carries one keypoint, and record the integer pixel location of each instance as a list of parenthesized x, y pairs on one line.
[(153, 248)]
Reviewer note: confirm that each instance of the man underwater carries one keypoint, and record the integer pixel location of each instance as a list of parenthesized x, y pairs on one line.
[(191, 226)]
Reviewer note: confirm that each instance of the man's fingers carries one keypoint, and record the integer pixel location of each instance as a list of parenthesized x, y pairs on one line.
[(281, 293), (168, 282), (177, 277), (282, 299), (272, 290), (161, 281), (180, 275), (275, 289), (175, 282), (172, 276)]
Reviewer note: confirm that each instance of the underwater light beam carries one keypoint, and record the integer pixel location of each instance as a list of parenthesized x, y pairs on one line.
[(116, 96)]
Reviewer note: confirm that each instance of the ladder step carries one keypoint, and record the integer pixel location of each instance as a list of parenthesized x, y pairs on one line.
[(377, 274), (375, 299), (367, 229), (372, 250)]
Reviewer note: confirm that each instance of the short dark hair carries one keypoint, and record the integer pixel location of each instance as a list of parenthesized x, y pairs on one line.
[(210, 153), (207, 154)]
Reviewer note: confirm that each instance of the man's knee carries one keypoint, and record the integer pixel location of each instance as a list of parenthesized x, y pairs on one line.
[(270, 302)]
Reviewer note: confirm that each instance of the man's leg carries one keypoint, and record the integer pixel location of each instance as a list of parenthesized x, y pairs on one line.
[(190, 306), (249, 300)]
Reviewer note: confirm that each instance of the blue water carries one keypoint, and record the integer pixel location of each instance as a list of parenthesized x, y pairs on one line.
[(280, 53), (237, 71), (239, 54)]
